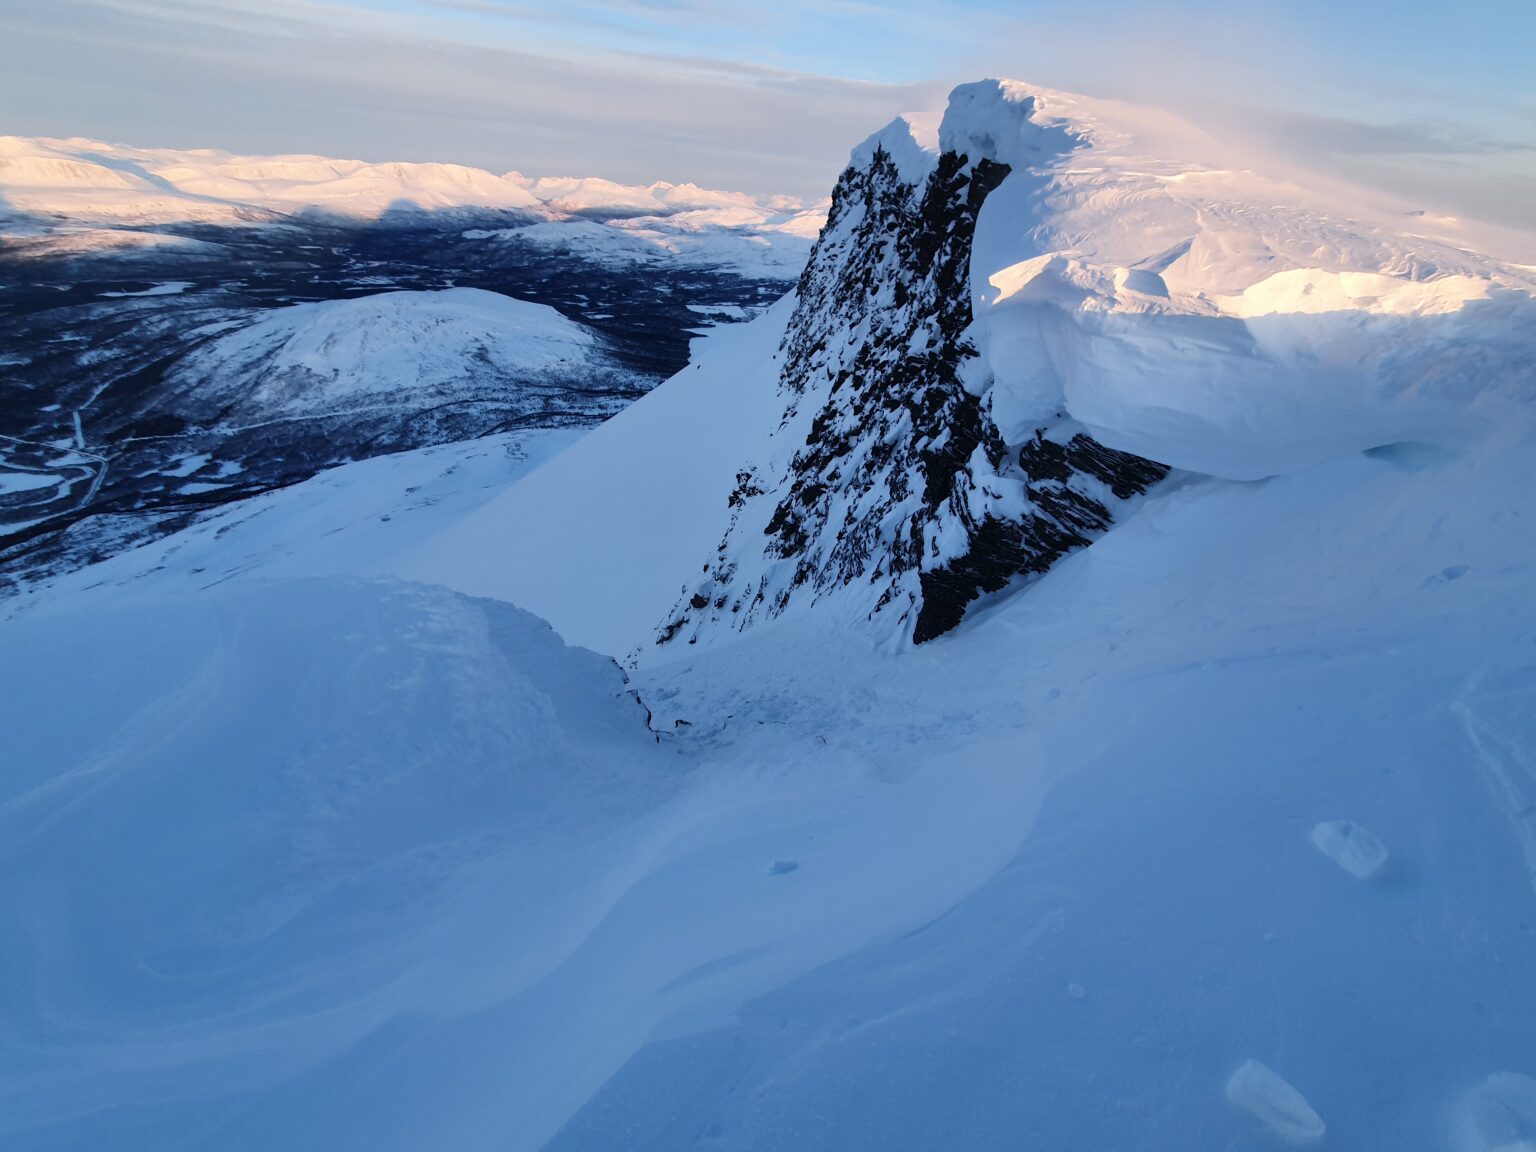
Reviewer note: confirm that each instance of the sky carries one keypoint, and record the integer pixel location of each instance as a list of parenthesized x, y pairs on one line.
[(1432, 100)]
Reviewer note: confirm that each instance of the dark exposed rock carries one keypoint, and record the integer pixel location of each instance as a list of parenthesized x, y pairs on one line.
[(903, 484)]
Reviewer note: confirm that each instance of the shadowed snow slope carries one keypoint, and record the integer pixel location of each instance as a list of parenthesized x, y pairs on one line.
[(296, 855), (321, 864)]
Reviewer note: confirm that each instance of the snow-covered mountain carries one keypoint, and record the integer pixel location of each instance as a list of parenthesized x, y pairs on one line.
[(410, 351), (84, 179), (91, 182), (996, 345), (230, 404), (1204, 821)]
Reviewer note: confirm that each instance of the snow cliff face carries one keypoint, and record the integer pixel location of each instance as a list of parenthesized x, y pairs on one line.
[(898, 482)]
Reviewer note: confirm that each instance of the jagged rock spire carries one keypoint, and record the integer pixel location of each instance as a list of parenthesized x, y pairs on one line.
[(897, 489)]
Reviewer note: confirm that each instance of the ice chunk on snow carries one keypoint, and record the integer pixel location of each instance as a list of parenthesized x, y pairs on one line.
[(1499, 1115), (1260, 1091), (1351, 847)]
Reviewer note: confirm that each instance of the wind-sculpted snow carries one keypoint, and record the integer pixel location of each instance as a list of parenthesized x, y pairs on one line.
[(315, 863), (1220, 833), (1218, 319)]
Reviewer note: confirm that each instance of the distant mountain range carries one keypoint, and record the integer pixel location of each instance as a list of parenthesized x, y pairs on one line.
[(83, 180), (182, 329)]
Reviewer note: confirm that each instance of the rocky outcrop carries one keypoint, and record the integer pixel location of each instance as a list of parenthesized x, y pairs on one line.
[(898, 492)]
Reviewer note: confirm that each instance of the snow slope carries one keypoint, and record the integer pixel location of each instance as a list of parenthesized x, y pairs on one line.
[(363, 519), (1217, 834), (603, 536), (1052, 879)]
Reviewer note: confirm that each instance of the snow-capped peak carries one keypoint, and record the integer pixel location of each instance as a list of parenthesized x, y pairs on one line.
[(995, 346), (898, 140), (94, 181)]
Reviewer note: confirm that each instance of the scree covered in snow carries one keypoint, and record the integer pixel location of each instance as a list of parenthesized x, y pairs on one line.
[(1213, 826)]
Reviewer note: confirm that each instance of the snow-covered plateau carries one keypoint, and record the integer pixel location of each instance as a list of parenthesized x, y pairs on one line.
[(1062, 678), (93, 188)]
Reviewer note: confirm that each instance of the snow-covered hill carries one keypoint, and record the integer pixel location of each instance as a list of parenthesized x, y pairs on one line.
[(413, 351), (235, 405), (1214, 830)]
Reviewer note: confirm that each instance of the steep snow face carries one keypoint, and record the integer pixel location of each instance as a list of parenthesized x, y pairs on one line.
[(600, 538)]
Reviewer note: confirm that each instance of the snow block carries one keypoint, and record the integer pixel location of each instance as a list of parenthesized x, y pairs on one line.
[(1284, 1112), (1351, 847)]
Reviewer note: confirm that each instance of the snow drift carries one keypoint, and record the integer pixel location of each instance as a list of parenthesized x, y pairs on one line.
[(1217, 832)]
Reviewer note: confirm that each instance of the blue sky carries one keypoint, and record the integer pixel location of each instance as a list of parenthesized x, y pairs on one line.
[(1431, 99)]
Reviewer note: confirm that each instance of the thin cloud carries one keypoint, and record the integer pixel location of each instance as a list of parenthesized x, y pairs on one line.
[(766, 97), (1331, 134), (138, 73)]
